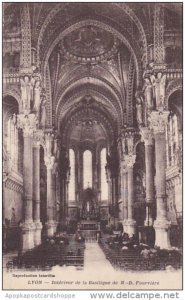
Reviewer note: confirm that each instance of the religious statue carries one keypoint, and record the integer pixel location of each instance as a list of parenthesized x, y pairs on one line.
[(123, 142), (159, 83), (57, 149), (37, 90), (139, 108), (148, 91), (14, 119), (48, 141), (26, 93), (130, 145), (43, 113)]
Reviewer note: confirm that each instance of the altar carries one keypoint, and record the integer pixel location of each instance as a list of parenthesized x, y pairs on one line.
[(89, 229)]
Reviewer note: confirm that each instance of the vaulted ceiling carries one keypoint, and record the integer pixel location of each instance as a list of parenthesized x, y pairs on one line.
[(95, 50)]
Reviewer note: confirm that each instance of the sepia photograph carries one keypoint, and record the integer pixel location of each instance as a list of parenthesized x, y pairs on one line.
[(92, 146)]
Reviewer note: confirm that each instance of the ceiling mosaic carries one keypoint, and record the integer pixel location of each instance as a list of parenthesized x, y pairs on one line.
[(89, 44)]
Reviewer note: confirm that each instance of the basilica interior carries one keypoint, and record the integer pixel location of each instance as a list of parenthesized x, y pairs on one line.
[(92, 122)]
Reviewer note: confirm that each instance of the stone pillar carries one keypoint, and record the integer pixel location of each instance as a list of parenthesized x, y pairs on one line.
[(50, 162), (125, 198), (28, 124), (36, 193), (4, 233), (161, 224), (53, 187), (121, 196), (130, 224), (51, 224), (147, 137)]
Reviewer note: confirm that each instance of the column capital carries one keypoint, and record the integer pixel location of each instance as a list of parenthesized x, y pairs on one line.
[(128, 132), (27, 123), (38, 136), (158, 121), (147, 136), (36, 144), (130, 160), (49, 162)]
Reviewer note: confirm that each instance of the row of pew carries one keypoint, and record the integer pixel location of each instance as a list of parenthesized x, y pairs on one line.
[(50, 254), (133, 259)]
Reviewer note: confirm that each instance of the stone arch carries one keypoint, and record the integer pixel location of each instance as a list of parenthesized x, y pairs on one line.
[(134, 18), (116, 111), (124, 7), (72, 117), (13, 93), (106, 83), (139, 141), (173, 86), (104, 26)]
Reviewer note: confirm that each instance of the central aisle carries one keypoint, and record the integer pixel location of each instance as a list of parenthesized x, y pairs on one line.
[(95, 259)]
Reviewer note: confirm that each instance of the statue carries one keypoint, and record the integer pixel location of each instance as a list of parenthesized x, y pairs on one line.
[(43, 114), (139, 108), (26, 92), (57, 149), (159, 83), (148, 90), (37, 90), (123, 142), (14, 119), (130, 145)]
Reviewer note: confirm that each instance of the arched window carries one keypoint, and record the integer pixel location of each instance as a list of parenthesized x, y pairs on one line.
[(87, 169), (104, 184), (72, 175)]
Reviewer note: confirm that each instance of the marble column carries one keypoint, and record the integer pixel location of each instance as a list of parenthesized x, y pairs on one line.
[(147, 137), (36, 193), (161, 224), (130, 224), (121, 196), (53, 187), (28, 124), (51, 224), (125, 198), (4, 233)]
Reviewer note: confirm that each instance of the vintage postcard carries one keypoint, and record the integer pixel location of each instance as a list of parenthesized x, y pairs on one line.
[(92, 146)]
